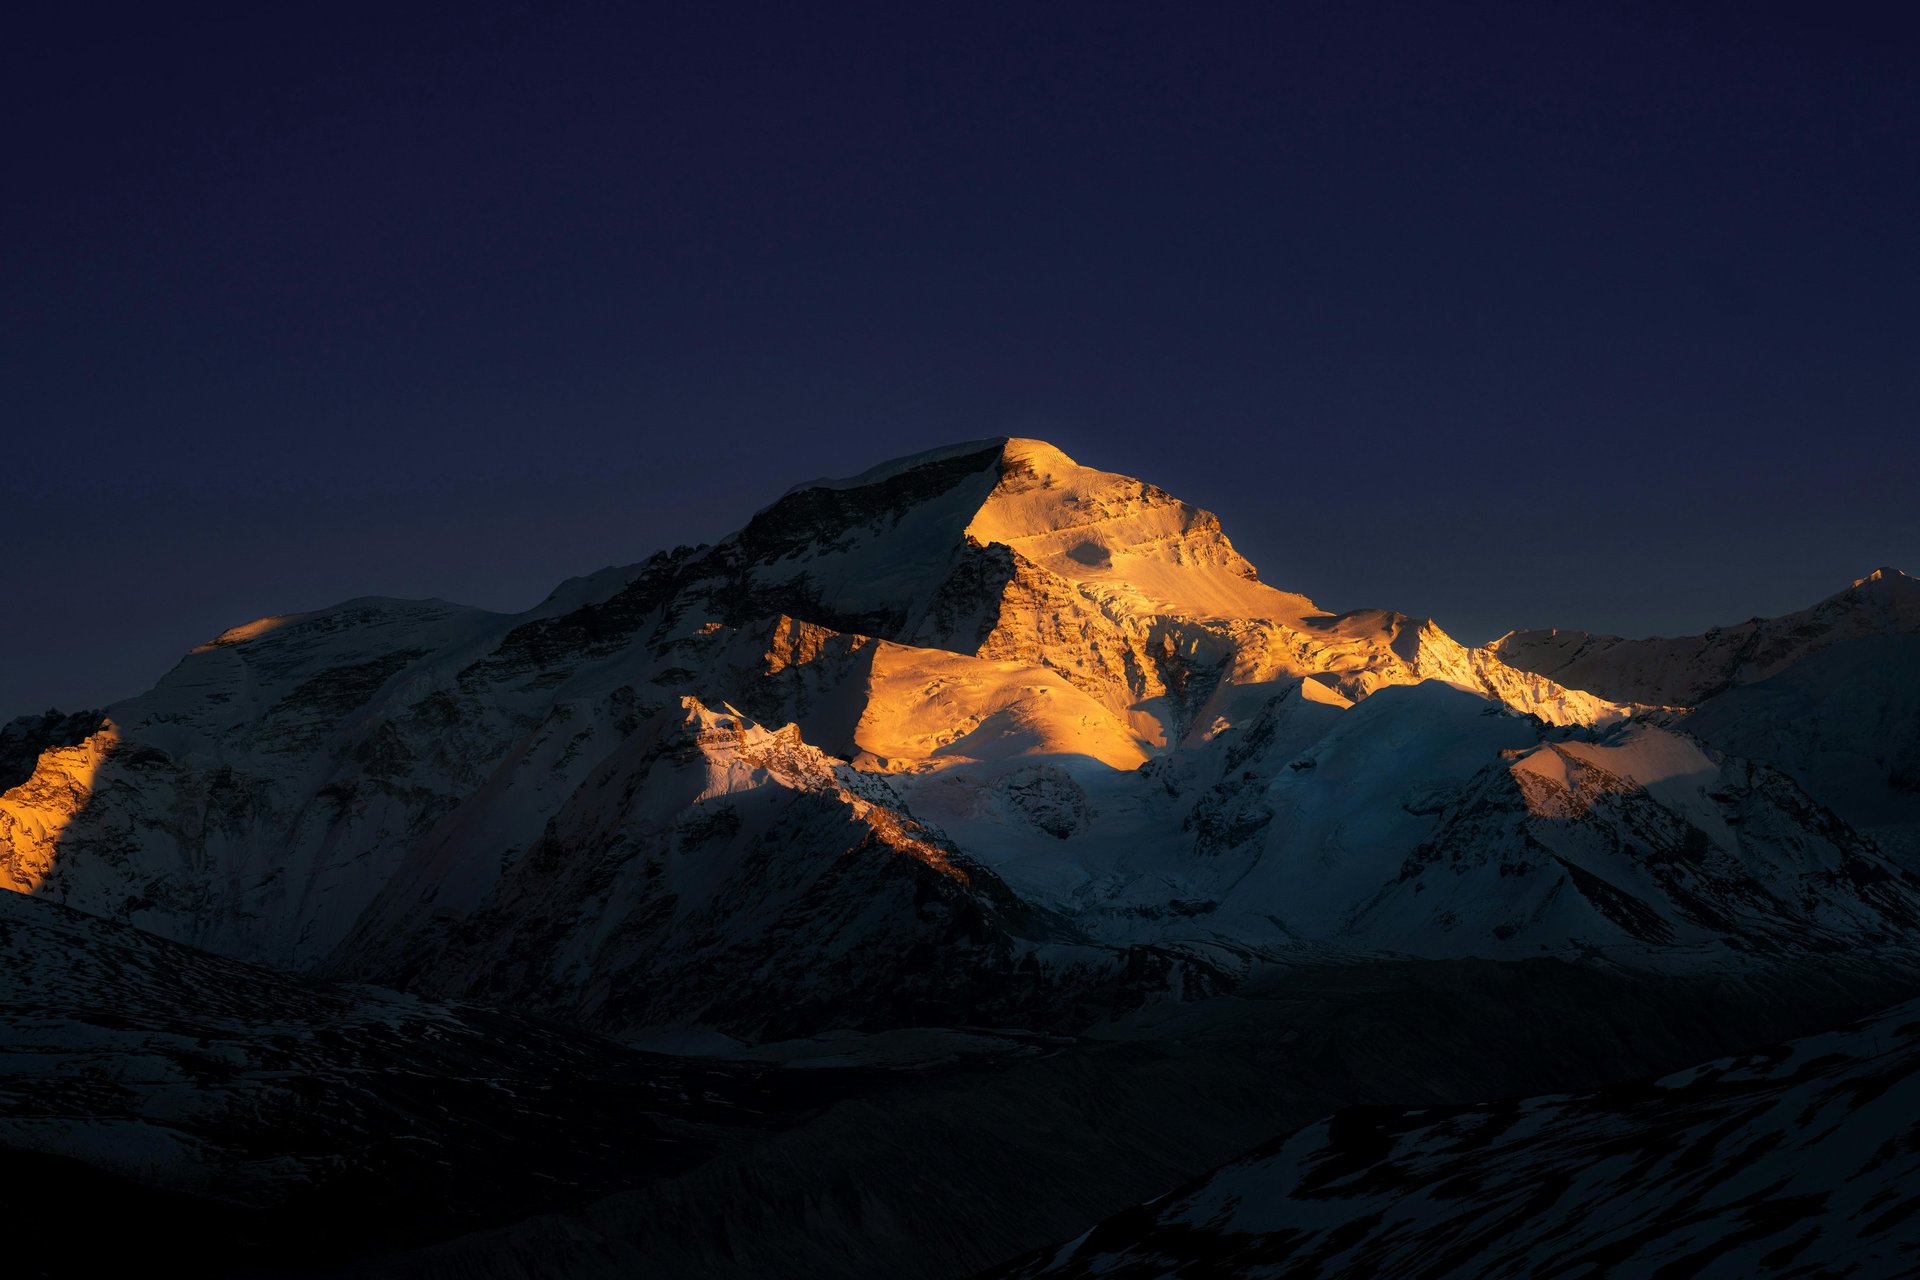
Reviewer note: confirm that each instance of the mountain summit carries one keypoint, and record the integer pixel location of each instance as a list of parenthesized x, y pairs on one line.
[(979, 734), (983, 803), (1010, 550)]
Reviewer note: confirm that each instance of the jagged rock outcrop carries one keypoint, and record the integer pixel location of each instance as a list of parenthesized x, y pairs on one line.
[(22, 740)]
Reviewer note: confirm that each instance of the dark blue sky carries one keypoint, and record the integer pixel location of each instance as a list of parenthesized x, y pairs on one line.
[(1514, 315)]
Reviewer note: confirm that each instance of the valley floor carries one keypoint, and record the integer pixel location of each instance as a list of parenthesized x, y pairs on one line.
[(926, 1154)]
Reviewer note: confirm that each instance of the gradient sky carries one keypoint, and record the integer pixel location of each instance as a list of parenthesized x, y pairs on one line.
[(1511, 314)]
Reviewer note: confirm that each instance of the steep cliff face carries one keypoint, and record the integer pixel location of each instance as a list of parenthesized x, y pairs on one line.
[(22, 740), (36, 814), (1008, 735)]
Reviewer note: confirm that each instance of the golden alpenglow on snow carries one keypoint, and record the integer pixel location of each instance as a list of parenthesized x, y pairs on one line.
[(982, 757)]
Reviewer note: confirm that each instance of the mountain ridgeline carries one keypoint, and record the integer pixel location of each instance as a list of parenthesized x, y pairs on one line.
[(983, 738), (980, 732)]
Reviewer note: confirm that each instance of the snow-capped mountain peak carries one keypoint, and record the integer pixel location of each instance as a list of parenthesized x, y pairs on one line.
[(978, 720), (1889, 574)]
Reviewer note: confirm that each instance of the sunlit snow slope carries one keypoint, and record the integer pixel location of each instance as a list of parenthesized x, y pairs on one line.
[(977, 734)]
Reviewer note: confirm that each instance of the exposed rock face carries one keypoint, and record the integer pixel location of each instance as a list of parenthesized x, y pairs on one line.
[(980, 734), (35, 815), (22, 741)]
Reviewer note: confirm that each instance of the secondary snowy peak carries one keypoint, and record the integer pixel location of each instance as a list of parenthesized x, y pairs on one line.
[(1685, 671), (1419, 824), (1829, 694), (1845, 723), (1645, 837), (22, 741)]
